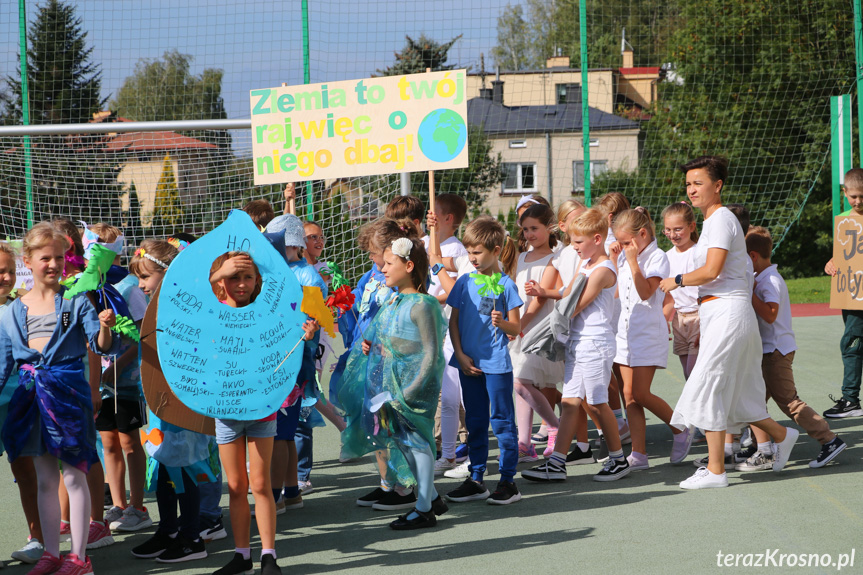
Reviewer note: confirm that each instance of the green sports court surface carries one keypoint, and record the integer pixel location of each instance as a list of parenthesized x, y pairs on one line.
[(643, 523)]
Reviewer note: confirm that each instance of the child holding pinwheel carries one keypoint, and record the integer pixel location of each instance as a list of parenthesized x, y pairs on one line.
[(44, 337), (485, 310), (121, 409)]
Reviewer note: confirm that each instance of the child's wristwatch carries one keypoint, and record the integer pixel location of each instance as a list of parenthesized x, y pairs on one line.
[(437, 268), (678, 279)]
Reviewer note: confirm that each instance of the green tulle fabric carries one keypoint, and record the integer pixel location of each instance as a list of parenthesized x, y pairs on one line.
[(406, 360)]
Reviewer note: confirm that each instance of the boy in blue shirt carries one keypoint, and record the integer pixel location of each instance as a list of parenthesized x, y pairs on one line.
[(485, 311)]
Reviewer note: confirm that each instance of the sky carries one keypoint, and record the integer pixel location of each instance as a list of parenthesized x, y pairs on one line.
[(259, 44)]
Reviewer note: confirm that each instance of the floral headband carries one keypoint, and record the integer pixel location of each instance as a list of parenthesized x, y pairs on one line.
[(402, 248), (142, 253)]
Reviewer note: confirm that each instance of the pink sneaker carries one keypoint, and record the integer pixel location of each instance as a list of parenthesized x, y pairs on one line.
[(552, 438), (526, 453), (65, 531), (72, 565), (46, 565), (99, 536)]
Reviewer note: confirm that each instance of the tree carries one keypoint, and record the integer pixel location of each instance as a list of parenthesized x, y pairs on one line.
[(485, 169), (551, 27), (419, 55), (167, 209), (755, 78), (512, 50), (64, 85), (165, 89)]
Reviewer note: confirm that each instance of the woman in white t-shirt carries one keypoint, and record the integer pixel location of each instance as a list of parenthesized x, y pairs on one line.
[(681, 305), (725, 389)]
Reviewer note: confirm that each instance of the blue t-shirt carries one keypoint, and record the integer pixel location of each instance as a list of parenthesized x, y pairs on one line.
[(474, 323), (129, 379)]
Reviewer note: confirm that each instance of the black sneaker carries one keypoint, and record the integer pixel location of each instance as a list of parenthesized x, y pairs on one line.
[(154, 546), (371, 498), (843, 408), (579, 457), (505, 494), (269, 565), (828, 452), (213, 530), (183, 550), (237, 566), (548, 471), (602, 456), (392, 501), (612, 470), (108, 501), (470, 490), (439, 506)]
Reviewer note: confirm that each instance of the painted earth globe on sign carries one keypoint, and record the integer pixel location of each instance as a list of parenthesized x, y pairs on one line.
[(442, 135)]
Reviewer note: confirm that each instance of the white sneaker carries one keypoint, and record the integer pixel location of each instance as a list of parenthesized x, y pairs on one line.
[(782, 450), (459, 472), (113, 515), (30, 553), (305, 487), (704, 479), (442, 465)]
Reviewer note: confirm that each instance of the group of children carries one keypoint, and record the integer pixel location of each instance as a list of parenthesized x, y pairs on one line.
[(438, 329)]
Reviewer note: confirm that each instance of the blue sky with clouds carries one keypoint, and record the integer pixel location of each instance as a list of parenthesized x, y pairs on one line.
[(259, 44)]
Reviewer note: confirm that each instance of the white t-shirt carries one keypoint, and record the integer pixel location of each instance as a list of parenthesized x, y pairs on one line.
[(685, 298), (641, 321), (594, 321), (609, 239), (566, 262), (722, 230), (771, 288)]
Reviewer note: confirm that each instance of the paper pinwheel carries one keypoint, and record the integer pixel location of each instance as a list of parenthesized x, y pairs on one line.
[(341, 300), (314, 306), (333, 270), (489, 286), (93, 279)]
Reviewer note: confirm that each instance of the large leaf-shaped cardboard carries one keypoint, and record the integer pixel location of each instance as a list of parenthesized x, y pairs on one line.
[(221, 361), (160, 399)]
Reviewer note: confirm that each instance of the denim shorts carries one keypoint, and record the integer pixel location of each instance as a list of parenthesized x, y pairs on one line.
[(228, 430)]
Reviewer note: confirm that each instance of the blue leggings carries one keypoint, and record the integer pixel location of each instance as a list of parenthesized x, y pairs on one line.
[(421, 461), (494, 391)]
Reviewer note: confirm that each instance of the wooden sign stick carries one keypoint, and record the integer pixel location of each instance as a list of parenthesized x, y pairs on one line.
[(433, 235)]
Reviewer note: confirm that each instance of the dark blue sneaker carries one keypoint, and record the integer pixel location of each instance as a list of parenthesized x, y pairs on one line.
[(461, 452)]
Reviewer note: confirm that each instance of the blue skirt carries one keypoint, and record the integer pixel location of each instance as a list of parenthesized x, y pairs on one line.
[(51, 411)]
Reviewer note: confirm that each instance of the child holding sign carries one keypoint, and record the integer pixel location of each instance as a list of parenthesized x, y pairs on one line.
[(51, 412), (396, 374), (851, 344), (238, 284)]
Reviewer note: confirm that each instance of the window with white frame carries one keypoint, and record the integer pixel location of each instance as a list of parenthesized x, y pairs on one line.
[(519, 178), (596, 167)]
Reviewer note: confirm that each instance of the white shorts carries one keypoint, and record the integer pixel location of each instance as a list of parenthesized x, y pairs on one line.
[(588, 370)]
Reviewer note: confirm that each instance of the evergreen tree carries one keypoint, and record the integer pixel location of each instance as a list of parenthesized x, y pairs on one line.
[(419, 55), (167, 209), (64, 85)]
